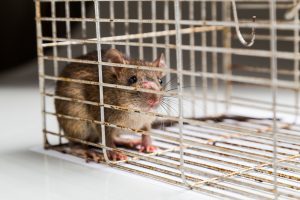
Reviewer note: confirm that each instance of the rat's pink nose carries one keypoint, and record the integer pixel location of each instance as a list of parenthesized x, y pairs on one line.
[(150, 85)]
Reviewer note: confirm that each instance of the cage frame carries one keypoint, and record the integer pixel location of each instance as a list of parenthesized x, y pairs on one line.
[(271, 131)]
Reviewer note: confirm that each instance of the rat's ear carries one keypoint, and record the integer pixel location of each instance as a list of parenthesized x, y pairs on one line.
[(161, 63), (115, 56)]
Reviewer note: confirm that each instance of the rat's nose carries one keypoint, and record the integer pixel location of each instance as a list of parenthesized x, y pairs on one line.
[(150, 85)]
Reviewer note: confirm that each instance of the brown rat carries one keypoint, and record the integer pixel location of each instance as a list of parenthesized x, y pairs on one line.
[(130, 99)]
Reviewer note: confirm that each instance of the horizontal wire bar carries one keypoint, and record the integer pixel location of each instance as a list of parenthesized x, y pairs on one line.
[(175, 139), (246, 170), (186, 95), (268, 37), (209, 157), (220, 126), (220, 141), (261, 24), (135, 111), (262, 102), (135, 156), (238, 137), (239, 102), (231, 179), (57, 134), (236, 78), (124, 128), (125, 109), (237, 51), (264, 5), (262, 69), (218, 169), (150, 159), (135, 36), (168, 172)]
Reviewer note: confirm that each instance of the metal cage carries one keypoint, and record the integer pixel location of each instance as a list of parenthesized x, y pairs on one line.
[(215, 70)]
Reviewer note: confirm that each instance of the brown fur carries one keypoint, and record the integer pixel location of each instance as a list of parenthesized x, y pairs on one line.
[(125, 98)]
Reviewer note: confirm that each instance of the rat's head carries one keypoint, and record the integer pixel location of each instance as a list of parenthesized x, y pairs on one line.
[(139, 78)]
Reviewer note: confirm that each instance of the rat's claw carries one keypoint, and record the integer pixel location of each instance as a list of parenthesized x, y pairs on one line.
[(115, 156), (85, 153), (89, 155), (148, 149)]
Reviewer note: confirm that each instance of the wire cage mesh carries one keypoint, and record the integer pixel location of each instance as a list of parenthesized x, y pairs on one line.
[(252, 155)]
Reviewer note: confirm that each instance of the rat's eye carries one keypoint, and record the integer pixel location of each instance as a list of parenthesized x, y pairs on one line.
[(132, 80), (160, 81)]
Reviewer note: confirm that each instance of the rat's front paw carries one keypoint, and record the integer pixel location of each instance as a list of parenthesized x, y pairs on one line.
[(116, 155), (148, 148)]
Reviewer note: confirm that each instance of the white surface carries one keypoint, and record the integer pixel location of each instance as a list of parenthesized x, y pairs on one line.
[(25, 174)]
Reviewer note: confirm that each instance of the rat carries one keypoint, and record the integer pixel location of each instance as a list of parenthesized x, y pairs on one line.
[(143, 101)]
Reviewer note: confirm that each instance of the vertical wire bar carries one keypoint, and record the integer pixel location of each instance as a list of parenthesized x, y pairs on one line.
[(167, 51), (192, 58), (296, 63), (112, 17), (179, 84), (140, 29), (68, 28), (227, 57), (154, 39), (98, 32), (215, 58), (274, 78), (204, 60), (54, 36), (55, 62), (83, 26), (41, 66), (126, 17)]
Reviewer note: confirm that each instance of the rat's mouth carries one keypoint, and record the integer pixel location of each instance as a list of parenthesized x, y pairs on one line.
[(151, 104), (151, 101)]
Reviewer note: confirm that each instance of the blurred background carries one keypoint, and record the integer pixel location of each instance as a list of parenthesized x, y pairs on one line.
[(18, 36), (18, 43), (18, 46)]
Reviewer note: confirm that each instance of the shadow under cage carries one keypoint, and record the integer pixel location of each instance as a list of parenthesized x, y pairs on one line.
[(228, 125)]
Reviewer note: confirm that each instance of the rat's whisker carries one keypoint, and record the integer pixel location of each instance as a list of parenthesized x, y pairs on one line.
[(169, 107), (164, 109), (169, 82), (176, 98), (174, 103), (170, 101), (182, 87)]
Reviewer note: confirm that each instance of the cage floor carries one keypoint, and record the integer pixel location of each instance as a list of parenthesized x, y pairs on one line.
[(224, 163)]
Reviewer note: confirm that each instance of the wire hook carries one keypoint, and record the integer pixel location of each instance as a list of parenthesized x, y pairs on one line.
[(237, 28), (291, 13)]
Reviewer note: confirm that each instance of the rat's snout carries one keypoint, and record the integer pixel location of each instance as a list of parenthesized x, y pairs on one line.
[(149, 85), (152, 100)]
